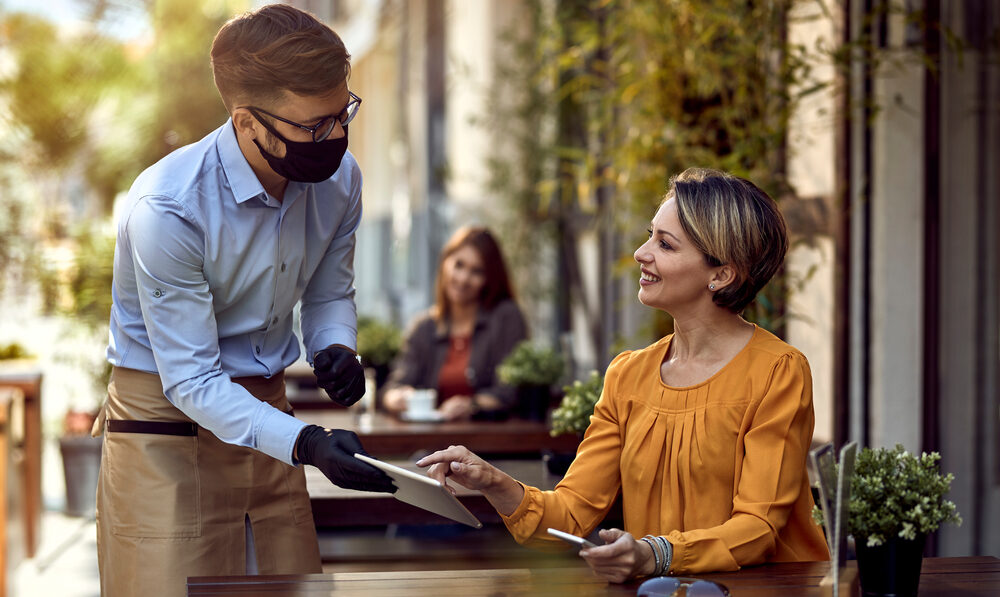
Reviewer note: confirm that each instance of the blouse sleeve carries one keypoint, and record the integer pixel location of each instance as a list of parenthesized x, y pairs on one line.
[(582, 499), (769, 477)]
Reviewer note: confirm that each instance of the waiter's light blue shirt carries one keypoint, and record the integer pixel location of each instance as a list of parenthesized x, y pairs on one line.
[(208, 269)]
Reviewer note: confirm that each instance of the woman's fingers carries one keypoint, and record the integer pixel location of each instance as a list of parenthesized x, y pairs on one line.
[(610, 535), (616, 560), (439, 472), (450, 454), (457, 462)]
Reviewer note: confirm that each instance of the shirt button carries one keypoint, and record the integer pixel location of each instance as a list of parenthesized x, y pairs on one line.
[(283, 267), (258, 350), (157, 293)]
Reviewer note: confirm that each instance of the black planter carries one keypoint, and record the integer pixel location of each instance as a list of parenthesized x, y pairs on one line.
[(557, 463), (891, 569), (533, 402), (81, 457)]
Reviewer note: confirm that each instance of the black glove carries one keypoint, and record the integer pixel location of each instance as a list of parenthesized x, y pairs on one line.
[(340, 374), (332, 451)]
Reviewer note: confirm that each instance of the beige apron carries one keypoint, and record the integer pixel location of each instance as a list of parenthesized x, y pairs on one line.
[(174, 506)]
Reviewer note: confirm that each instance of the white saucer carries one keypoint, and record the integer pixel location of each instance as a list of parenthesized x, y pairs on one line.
[(431, 417)]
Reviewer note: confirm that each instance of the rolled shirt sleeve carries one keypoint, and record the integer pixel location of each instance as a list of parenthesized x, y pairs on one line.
[(179, 318), (208, 271)]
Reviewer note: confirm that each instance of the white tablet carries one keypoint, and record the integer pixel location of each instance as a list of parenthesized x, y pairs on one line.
[(424, 492)]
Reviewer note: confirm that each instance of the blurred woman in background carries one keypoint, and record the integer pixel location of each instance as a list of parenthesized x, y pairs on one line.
[(705, 432), (455, 347)]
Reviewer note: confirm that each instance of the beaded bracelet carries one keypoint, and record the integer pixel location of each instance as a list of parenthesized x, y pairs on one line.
[(668, 555), (651, 542)]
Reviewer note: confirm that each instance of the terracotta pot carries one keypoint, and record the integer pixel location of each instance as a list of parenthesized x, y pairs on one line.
[(891, 569)]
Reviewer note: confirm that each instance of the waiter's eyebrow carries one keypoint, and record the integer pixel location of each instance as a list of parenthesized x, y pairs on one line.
[(320, 118), (337, 113)]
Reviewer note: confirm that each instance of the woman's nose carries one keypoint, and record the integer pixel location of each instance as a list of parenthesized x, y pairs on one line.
[(641, 254)]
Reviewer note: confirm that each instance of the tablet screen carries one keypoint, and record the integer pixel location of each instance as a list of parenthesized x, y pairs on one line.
[(424, 492)]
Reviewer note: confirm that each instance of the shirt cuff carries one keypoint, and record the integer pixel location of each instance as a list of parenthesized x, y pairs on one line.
[(332, 336), (277, 435)]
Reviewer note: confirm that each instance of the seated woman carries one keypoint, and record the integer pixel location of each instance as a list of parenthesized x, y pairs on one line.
[(706, 432), (456, 346)]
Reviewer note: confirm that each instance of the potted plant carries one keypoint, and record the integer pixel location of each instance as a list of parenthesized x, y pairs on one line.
[(81, 453), (378, 345), (82, 293), (897, 499), (532, 370), (14, 352), (574, 410), (573, 416)]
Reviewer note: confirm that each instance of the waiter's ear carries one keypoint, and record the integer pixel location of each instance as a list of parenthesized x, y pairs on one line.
[(245, 123)]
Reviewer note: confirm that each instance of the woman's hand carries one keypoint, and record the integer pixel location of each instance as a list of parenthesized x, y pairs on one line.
[(472, 472), (621, 557), (395, 399), (457, 408)]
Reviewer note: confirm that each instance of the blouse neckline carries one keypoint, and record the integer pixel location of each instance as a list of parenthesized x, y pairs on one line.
[(736, 357)]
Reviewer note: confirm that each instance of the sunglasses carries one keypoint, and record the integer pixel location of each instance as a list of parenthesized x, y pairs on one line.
[(668, 586)]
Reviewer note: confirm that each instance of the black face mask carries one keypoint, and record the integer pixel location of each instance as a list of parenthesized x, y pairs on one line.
[(305, 161)]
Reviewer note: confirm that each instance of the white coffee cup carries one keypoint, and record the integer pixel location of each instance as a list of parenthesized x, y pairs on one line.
[(420, 403)]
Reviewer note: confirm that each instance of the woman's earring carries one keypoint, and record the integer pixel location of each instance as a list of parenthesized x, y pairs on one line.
[(711, 286)]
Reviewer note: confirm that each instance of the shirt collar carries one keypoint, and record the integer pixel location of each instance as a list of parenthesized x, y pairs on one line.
[(241, 177)]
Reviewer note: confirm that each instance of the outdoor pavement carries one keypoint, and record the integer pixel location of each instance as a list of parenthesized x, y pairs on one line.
[(66, 562)]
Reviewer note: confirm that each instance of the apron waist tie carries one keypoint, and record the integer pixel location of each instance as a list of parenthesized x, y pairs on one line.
[(153, 427)]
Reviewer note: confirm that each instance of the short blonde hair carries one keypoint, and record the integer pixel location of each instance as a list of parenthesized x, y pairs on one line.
[(734, 223)]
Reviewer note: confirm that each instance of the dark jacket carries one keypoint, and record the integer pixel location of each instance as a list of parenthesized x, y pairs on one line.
[(497, 332)]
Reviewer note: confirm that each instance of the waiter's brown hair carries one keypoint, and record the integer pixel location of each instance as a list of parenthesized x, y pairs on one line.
[(259, 55)]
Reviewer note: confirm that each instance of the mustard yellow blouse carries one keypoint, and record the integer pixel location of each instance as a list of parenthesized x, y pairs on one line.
[(719, 468)]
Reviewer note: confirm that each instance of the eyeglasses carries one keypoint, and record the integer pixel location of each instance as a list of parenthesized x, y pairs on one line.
[(322, 129), (667, 586)]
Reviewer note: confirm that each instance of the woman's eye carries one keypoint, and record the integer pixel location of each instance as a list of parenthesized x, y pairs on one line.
[(650, 231), (665, 245)]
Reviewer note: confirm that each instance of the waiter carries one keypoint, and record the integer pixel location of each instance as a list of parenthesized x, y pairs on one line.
[(217, 244)]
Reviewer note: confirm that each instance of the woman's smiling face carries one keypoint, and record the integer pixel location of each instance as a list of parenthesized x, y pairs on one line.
[(465, 276), (673, 272)]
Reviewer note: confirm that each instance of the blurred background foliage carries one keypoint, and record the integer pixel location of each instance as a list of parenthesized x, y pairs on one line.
[(614, 97), (597, 105), (83, 113)]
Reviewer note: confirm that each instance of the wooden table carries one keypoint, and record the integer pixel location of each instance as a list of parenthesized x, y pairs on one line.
[(28, 381), (11, 523), (385, 436), (940, 577)]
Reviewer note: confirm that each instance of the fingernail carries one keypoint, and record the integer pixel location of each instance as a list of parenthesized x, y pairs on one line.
[(420, 462), (456, 466)]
